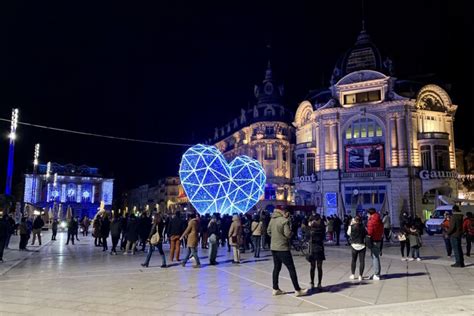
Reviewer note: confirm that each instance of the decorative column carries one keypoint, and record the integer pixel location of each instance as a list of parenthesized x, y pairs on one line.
[(401, 138), (393, 142)]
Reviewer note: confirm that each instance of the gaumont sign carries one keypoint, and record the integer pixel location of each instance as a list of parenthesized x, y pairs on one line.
[(311, 178), (435, 174)]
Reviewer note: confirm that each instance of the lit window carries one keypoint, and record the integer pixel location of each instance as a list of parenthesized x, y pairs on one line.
[(349, 133), (363, 128), (356, 130), (371, 131), (363, 97), (363, 131), (379, 131)]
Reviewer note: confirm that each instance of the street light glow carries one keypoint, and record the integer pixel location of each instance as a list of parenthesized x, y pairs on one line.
[(14, 124), (36, 156)]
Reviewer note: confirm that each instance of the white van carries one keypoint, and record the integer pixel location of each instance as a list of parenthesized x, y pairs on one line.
[(433, 225)]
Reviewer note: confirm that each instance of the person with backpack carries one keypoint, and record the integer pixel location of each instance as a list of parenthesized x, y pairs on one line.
[(315, 232), (468, 227)]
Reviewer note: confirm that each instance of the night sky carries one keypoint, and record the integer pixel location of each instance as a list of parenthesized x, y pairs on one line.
[(172, 71)]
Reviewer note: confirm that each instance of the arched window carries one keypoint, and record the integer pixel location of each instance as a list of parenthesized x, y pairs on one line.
[(363, 128)]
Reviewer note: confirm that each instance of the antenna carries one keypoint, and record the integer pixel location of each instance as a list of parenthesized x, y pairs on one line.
[(363, 14)]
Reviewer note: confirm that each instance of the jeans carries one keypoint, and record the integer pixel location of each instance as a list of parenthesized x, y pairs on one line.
[(469, 240), (7, 241), (192, 251), (457, 249), (212, 251), (150, 252), (447, 244), (284, 257), (104, 244), (130, 246), (404, 244), (23, 241), (415, 252), (387, 233), (257, 242), (375, 253), (36, 232), (70, 236), (2, 247), (53, 237), (337, 234), (361, 255)]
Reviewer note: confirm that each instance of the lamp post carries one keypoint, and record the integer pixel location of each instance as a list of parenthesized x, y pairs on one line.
[(11, 151), (35, 170)]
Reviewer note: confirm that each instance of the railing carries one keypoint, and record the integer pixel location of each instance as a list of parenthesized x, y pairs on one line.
[(433, 135)]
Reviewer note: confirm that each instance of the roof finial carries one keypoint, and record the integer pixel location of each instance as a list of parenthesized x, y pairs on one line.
[(363, 15), (268, 71)]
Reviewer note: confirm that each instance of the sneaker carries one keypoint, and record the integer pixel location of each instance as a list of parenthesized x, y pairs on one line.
[(277, 292), (125, 253), (411, 259), (301, 292), (360, 277), (352, 277), (418, 259), (404, 259), (376, 277)]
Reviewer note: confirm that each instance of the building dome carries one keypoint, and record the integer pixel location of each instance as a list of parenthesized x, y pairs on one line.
[(363, 55), (269, 91)]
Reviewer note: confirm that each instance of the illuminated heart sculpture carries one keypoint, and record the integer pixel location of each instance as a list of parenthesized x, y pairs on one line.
[(212, 185)]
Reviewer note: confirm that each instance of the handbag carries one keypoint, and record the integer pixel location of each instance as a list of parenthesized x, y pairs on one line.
[(402, 237), (234, 239), (155, 238), (368, 242), (213, 239)]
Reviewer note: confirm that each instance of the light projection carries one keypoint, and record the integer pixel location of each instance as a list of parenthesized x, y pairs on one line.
[(213, 185)]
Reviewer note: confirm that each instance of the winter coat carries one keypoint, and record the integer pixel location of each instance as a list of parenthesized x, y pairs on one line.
[(175, 226), (414, 238), (105, 228), (375, 227), (23, 228), (358, 233), (132, 230), (235, 231), (455, 225), (115, 227), (386, 222), (191, 233), (38, 223), (468, 226), (212, 228), (256, 228), (280, 232)]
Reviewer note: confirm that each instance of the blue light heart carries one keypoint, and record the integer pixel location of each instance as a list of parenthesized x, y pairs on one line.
[(212, 185)]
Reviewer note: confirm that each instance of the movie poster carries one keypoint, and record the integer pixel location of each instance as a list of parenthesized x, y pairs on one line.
[(364, 158)]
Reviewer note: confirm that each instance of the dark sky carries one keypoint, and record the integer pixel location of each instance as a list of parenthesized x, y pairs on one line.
[(172, 70)]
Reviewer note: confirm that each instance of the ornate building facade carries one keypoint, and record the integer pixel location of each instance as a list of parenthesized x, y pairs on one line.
[(365, 142), (263, 132)]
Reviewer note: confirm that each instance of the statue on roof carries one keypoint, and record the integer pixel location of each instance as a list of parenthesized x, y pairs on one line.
[(236, 124), (243, 118), (255, 111), (216, 133), (388, 64)]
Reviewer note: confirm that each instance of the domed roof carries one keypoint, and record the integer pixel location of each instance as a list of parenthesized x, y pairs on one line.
[(269, 91), (363, 55)]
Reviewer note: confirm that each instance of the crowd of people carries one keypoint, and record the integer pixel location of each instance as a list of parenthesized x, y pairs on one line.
[(241, 233)]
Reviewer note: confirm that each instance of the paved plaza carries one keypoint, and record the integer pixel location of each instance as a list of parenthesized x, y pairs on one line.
[(56, 279)]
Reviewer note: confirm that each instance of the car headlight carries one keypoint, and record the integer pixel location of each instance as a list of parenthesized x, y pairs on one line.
[(63, 224)]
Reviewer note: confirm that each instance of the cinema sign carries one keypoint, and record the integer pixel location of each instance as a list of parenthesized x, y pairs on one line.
[(435, 174), (303, 179)]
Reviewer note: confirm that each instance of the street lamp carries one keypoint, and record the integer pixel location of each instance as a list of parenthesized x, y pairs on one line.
[(11, 151), (35, 167)]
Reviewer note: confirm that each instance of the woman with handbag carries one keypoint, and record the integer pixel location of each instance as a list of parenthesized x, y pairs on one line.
[(235, 237), (155, 239), (404, 241), (315, 232), (357, 233), (415, 242)]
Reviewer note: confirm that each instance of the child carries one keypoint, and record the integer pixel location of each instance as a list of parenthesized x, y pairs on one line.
[(415, 243)]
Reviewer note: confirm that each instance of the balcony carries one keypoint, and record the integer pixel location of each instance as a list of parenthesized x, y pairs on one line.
[(366, 174), (305, 145), (433, 135)]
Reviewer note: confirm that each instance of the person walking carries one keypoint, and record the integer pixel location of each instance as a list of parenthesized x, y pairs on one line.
[(192, 235), (175, 230), (330, 229), (203, 232), (71, 230), (105, 231), (387, 227), (280, 233), (405, 223), (4, 231), (24, 234), (375, 233), (85, 226), (158, 226), (235, 237), (38, 224), (213, 231), (54, 228), (468, 228), (315, 235), (257, 235), (455, 234), (357, 233), (11, 229), (445, 228), (96, 230), (337, 223), (132, 235), (115, 230)]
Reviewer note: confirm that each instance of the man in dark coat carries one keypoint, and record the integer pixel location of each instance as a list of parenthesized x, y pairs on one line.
[(131, 234), (4, 231), (455, 233), (337, 228)]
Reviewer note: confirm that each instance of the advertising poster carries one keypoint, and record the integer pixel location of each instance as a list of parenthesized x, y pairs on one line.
[(364, 158)]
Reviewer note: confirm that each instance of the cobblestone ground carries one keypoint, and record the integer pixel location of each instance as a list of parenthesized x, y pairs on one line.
[(56, 279)]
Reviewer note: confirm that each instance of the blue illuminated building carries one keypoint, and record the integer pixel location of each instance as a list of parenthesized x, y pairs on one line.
[(80, 187)]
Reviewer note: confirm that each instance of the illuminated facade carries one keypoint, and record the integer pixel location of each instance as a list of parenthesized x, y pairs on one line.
[(365, 142), (80, 187), (263, 132)]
